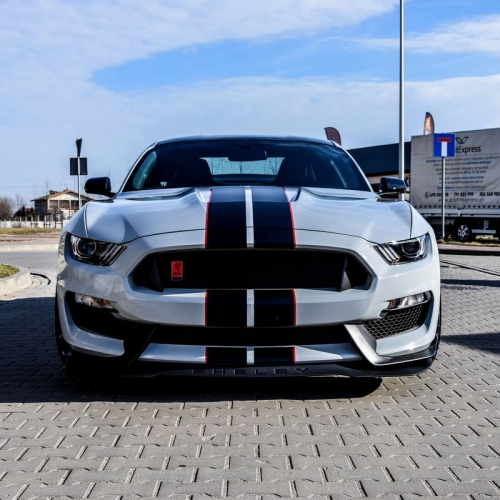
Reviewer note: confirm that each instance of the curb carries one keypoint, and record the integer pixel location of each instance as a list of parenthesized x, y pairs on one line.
[(49, 247), (470, 250), (17, 281)]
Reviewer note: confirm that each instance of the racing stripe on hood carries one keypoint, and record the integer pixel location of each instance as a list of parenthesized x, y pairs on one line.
[(226, 218), (272, 218), (251, 217)]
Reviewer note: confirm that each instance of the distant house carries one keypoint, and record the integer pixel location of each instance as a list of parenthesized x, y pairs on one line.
[(24, 212), (59, 203)]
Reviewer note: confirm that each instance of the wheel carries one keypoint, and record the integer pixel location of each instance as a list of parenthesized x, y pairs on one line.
[(438, 331), (74, 362), (77, 363), (63, 347), (463, 232)]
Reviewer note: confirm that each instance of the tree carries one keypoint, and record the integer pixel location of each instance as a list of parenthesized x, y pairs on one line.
[(6, 207), (19, 202)]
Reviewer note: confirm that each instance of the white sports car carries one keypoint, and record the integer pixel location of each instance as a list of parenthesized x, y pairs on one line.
[(248, 256)]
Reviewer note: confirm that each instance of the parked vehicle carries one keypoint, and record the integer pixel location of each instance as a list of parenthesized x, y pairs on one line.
[(472, 184), (248, 256)]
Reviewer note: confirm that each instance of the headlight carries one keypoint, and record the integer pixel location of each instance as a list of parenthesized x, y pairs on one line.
[(94, 252), (402, 252)]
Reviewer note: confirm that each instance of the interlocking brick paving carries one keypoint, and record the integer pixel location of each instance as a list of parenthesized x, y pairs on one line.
[(433, 435)]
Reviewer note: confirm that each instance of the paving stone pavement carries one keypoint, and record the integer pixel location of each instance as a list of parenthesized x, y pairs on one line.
[(434, 435)]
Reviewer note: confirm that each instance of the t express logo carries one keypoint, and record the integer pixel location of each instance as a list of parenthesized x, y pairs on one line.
[(465, 150)]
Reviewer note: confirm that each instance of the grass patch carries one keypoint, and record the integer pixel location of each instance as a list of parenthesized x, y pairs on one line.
[(23, 231), (6, 271), (479, 242)]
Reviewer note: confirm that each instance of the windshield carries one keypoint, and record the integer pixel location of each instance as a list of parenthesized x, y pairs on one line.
[(245, 162)]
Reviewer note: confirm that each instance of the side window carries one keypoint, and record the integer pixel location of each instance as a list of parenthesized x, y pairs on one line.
[(347, 173), (145, 169)]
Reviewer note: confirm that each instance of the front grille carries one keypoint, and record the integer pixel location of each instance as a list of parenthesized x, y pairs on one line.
[(252, 269), (297, 335), (396, 322)]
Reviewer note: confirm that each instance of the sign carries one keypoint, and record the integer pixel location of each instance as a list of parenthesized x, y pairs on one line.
[(444, 145), (73, 166)]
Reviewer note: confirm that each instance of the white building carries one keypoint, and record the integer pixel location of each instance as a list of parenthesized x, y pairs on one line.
[(59, 204)]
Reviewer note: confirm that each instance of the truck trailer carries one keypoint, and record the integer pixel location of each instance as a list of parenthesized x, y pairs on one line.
[(472, 184)]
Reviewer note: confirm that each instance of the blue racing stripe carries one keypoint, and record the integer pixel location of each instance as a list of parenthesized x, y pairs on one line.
[(272, 218), (226, 218), (274, 308), (226, 308)]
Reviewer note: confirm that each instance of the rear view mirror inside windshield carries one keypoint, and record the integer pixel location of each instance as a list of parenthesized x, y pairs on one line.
[(247, 154)]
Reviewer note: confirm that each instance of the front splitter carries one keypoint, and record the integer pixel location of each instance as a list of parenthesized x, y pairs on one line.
[(354, 369)]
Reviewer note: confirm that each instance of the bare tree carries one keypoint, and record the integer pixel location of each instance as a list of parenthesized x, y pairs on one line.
[(19, 202), (6, 207)]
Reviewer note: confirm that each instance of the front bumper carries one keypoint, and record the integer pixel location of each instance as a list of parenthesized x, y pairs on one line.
[(141, 315)]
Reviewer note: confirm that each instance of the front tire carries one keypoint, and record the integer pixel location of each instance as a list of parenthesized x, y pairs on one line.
[(438, 331), (63, 348)]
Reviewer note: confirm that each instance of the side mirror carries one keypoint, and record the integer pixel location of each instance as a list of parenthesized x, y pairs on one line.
[(99, 185), (391, 185)]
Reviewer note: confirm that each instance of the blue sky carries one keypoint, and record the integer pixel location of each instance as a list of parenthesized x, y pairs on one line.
[(122, 74)]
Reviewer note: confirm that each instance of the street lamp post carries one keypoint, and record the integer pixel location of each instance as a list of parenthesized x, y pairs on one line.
[(401, 95)]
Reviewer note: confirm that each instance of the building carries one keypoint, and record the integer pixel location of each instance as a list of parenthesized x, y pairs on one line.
[(377, 161), (59, 204)]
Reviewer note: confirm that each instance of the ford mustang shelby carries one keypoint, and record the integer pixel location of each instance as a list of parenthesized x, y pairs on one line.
[(248, 256)]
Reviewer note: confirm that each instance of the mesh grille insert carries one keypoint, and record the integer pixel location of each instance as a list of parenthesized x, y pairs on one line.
[(396, 322), (252, 269)]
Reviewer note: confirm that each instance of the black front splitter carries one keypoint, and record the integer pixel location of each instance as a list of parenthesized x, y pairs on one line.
[(352, 369)]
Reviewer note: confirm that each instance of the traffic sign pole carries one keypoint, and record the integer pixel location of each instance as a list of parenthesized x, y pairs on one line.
[(78, 149), (443, 191), (444, 146), (444, 153)]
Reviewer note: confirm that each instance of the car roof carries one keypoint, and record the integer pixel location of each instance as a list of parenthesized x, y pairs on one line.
[(207, 138)]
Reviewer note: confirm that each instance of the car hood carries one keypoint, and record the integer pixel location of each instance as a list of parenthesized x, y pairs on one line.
[(129, 216)]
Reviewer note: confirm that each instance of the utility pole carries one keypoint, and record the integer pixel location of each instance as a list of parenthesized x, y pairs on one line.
[(401, 95)]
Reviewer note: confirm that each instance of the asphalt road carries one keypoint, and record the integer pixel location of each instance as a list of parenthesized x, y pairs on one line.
[(434, 435)]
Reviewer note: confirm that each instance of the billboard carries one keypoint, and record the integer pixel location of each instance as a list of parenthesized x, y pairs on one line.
[(472, 175)]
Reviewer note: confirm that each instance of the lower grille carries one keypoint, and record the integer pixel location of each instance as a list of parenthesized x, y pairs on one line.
[(396, 322), (297, 335), (102, 322), (251, 269)]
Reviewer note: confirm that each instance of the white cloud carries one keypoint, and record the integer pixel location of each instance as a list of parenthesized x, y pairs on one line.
[(480, 35), (50, 49), (92, 34), (117, 127)]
